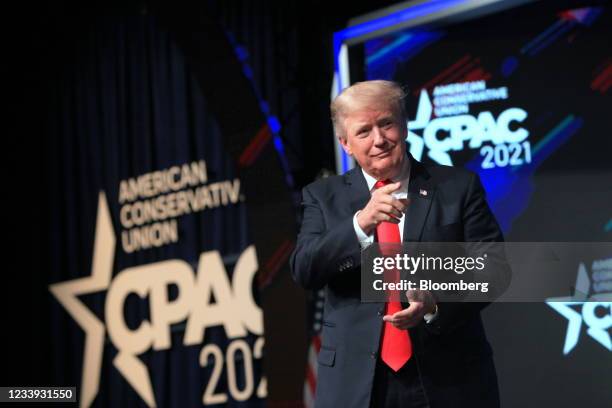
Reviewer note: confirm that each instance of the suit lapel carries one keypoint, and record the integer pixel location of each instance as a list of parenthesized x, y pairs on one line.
[(421, 192), (358, 193)]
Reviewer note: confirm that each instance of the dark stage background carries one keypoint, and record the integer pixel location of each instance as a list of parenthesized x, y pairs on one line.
[(105, 93)]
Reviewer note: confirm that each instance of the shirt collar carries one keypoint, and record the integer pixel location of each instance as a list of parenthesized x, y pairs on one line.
[(403, 176)]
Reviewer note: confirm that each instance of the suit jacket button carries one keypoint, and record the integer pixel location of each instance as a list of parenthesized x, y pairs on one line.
[(373, 354), (379, 313)]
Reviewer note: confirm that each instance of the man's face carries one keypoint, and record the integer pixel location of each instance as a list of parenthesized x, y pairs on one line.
[(376, 138)]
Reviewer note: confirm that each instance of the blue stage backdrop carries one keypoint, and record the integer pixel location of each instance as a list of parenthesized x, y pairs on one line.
[(171, 215), (522, 97)]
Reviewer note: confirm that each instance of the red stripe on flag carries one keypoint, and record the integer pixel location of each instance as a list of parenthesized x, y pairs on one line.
[(311, 379), (316, 342)]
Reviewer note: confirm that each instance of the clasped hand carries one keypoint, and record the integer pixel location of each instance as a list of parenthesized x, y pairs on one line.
[(421, 303)]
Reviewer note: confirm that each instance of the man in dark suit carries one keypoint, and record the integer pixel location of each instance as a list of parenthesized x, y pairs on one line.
[(439, 356)]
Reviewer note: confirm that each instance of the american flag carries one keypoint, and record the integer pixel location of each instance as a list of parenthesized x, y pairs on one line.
[(310, 383)]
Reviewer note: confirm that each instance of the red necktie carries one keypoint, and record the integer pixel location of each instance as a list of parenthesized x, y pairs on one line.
[(396, 348)]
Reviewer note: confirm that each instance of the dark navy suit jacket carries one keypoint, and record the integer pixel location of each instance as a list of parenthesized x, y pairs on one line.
[(452, 353)]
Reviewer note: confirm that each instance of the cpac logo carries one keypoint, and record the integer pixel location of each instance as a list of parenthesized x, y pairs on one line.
[(234, 307), (449, 133), (598, 324)]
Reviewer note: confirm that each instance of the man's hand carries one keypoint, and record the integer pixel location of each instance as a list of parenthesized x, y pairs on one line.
[(381, 207), (421, 303)]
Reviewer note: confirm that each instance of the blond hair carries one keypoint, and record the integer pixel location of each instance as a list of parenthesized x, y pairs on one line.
[(377, 94)]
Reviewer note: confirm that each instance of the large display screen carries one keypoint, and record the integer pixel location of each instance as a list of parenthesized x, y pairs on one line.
[(520, 96)]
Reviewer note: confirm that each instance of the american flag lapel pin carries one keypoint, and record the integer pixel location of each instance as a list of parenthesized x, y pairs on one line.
[(423, 192)]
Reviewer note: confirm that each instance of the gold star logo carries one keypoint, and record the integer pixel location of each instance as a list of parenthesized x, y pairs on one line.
[(230, 296), (67, 294)]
